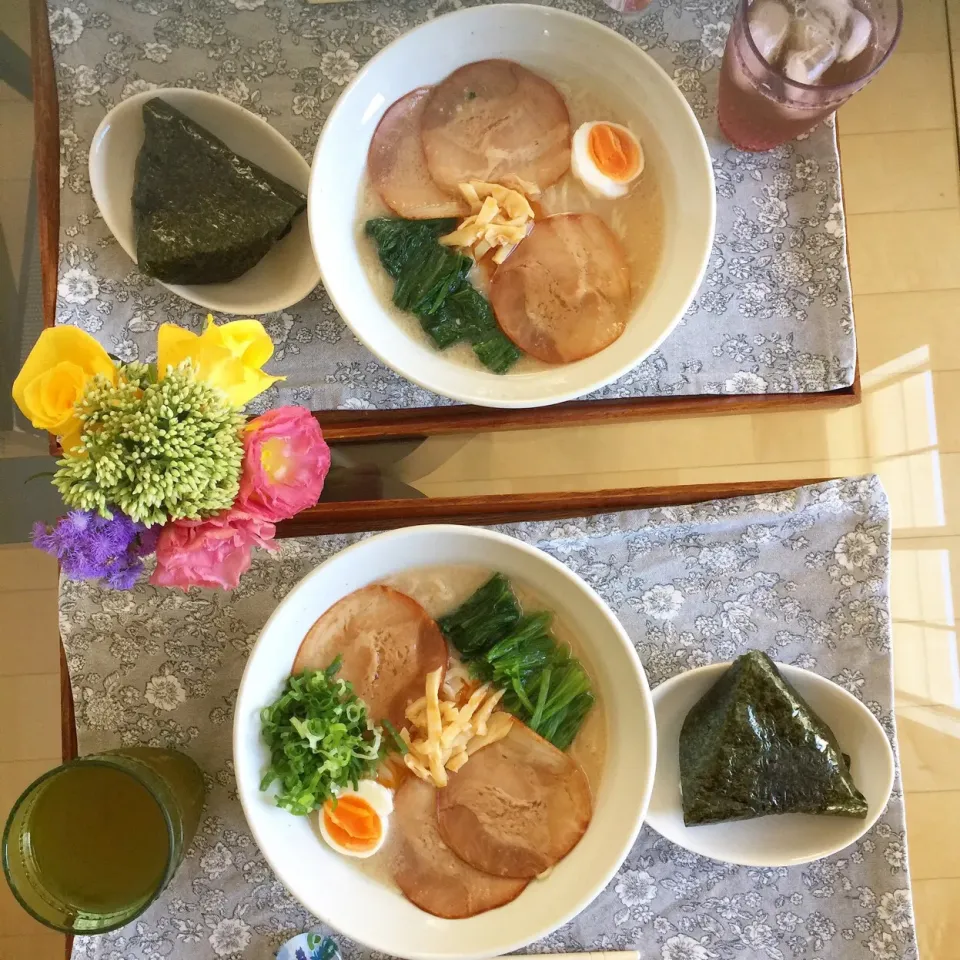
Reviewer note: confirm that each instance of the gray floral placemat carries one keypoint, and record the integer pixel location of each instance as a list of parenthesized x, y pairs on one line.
[(773, 314), (802, 575)]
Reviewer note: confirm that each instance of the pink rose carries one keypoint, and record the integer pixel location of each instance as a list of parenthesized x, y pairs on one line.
[(285, 461), (214, 552)]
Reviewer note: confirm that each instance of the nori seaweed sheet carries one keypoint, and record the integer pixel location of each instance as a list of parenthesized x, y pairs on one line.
[(751, 747), (202, 214)]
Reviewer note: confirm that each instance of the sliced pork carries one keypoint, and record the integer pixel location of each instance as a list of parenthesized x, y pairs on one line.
[(564, 293), (494, 120), (516, 808), (388, 643), (427, 872), (398, 169)]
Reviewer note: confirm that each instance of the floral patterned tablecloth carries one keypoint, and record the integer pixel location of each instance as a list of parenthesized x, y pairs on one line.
[(802, 575), (774, 311)]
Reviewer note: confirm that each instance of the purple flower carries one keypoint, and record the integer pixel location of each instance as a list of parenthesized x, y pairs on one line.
[(91, 547), (148, 540)]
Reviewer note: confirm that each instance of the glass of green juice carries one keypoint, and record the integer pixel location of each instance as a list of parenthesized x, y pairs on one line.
[(90, 845)]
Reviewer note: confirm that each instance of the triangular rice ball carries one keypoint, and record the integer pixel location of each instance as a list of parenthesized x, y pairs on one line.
[(751, 747), (202, 214)]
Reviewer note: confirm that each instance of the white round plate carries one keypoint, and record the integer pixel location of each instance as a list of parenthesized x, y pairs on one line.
[(331, 887), (286, 274), (560, 45), (776, 841)]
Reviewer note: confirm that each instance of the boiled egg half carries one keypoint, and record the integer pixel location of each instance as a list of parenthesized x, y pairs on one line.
[(355, 823), (606, 158)]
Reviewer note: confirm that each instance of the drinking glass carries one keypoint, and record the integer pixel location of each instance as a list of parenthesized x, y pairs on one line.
[(90, 845), (759, 108)]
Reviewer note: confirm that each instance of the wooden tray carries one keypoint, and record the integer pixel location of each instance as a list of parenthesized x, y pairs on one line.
[(371, 424)]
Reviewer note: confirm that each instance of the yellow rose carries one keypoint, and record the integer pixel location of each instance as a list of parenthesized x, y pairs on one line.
[(230, 356), (54, 377)]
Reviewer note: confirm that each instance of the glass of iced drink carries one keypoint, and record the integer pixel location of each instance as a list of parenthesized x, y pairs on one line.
[(789, 63), (90, 845)]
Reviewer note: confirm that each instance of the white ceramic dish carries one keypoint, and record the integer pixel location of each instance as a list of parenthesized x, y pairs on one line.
[(778, 841), (331, 887), (286, 274), (560, 45)]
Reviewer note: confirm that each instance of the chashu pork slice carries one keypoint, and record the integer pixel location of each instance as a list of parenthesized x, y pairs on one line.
[(564, 293), (427, 872), (388, 643), (398, 169), (518, 807), (495, 121)]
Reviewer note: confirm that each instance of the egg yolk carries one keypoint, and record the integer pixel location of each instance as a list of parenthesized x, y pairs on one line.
[(613, 151), (352, 824)]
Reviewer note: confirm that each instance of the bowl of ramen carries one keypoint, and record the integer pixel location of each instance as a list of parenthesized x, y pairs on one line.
[(511, 206), (444, 743)]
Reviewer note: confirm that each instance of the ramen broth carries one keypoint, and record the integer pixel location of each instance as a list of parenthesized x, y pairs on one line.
[(637, 220), (441, 589)]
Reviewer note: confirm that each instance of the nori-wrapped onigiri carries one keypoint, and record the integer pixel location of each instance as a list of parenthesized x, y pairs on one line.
[(751, 746), (202, 214)]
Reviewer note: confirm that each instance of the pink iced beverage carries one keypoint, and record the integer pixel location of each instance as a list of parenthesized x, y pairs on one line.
[(789, 63)]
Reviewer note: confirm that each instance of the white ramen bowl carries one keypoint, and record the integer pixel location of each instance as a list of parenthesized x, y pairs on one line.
[(563, 46), (286, 274), (791, 838), (330, 886)]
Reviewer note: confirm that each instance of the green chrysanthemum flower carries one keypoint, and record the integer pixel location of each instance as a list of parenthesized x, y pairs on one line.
[(157, 450)]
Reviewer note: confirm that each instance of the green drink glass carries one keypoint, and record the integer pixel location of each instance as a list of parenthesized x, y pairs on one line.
[(90, 845)]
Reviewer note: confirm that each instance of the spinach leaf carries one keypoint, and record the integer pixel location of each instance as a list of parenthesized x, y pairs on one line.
[(497, 352), (544, 685), (490, 613), (431, 282), (427, 280), (468, 312), (399, 241)]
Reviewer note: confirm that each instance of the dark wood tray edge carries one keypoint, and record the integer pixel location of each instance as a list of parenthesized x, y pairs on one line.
[(354, 425), (361, 515)]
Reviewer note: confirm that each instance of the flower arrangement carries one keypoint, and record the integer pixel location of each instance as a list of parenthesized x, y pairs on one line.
[(159, 459)]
